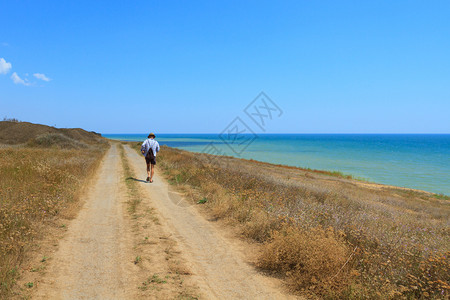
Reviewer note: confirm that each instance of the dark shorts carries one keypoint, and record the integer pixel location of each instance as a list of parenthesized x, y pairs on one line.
[(150, 159)]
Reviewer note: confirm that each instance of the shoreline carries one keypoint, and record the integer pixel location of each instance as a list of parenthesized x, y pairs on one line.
[(337, 174)]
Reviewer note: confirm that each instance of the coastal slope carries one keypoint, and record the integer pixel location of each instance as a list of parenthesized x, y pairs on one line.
[(326, 234)]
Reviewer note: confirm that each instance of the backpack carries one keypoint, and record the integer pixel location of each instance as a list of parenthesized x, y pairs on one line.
[(150, 154)]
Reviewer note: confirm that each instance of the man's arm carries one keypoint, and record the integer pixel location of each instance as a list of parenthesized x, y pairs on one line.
[(157, 147), (143, 147)]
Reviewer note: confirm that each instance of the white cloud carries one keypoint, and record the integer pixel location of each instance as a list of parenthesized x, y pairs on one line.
[(41, 76), (4, 66), (18, 80)]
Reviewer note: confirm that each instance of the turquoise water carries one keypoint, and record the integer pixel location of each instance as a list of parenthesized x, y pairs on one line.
[(419, 161)]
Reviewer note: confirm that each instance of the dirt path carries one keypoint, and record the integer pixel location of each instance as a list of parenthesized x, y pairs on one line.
[(91, 259), (164, 250), (216, 262)]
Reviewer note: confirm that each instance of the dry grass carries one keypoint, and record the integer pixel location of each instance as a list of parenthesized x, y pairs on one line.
[(14, 133), (332, 236), (56, 140), (310, 259), (133, 192), (36, 186)]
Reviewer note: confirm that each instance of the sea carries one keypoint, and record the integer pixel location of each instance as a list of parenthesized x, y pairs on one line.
[(418, 161)]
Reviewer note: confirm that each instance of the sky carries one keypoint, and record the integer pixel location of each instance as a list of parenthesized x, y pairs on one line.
[(194, 66)]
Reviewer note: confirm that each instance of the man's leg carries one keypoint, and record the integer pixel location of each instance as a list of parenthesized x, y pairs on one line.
[(153, 171), (148, 170)]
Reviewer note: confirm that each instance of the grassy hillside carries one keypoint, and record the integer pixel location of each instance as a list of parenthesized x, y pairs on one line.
[(42, 170), (16, 133), (328, 236)]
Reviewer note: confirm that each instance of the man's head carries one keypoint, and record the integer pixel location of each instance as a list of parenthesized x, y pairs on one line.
[(151, 135)]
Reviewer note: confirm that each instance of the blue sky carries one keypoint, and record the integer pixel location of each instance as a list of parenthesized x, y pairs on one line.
[(193, 66)]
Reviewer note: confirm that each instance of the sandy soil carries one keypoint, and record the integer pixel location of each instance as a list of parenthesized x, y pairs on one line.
[(181, 254)]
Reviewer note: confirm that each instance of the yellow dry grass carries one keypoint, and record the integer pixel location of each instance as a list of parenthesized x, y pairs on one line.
[(36, 186), (328, 236)]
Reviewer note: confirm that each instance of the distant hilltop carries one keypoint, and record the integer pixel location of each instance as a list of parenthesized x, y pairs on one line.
[(16, 133)]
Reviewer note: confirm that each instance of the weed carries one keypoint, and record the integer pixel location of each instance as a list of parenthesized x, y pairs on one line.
[(156, 279), (186, 296), (151, 281), (202, 201)]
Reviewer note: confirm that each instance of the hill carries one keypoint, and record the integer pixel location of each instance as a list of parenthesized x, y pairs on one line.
[(16, 133)]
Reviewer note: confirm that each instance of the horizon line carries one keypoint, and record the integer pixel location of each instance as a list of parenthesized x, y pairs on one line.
[(266, 133)]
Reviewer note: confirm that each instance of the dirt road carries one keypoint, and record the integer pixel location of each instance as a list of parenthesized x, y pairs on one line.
[(95, 258), (90, 261)]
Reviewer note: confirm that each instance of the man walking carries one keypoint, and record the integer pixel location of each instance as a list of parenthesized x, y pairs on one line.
[(149, 149)]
